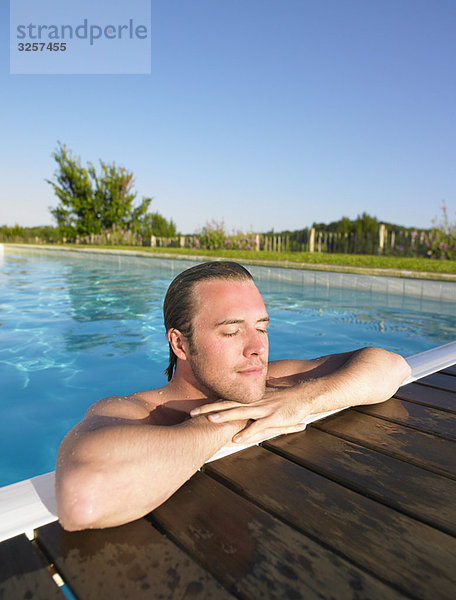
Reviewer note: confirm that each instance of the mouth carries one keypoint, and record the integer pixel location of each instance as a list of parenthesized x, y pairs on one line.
[(252, 371)]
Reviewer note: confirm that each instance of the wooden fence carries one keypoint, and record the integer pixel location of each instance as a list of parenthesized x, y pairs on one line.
[(398, 243), (384, 242)]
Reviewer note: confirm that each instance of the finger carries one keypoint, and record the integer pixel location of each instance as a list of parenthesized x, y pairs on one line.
[(257, 432), (240, 413), (213, 407)]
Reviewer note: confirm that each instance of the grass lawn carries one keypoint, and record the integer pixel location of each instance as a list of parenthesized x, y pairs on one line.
[(398, 266)]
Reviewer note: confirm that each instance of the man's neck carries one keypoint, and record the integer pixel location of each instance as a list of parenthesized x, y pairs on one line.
[(184, 386)]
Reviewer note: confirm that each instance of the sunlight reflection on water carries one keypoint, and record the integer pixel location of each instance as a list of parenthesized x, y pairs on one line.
[(79, 327)]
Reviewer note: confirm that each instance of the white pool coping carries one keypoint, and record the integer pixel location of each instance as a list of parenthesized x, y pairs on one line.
[(29, 504)]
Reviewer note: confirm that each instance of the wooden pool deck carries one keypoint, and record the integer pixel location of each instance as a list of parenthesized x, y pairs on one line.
[(360, 505)]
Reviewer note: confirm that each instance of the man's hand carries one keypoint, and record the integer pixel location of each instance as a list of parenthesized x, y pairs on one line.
[(117, 465), (280, 411), (365, 376)]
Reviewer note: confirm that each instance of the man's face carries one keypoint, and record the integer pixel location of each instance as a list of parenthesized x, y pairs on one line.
[(229, 354)]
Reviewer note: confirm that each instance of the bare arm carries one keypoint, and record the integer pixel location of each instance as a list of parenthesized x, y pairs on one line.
[(365, 376), (112, 470)]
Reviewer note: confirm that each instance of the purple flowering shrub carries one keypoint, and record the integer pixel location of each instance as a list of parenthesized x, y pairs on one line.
[(213, 236), (441, 241)]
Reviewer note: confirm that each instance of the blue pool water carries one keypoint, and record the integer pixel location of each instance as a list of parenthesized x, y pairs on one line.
[(76, 327)]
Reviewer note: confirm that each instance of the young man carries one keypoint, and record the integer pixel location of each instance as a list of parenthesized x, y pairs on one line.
[(129, 454)]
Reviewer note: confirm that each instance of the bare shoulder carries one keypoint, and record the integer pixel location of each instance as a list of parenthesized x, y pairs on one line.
[(137, 408), (133, 406)]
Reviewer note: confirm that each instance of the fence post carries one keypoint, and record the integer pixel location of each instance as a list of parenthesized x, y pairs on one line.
[(381, 239), (257, 242), (153, 241), (406, 243), (312, 240)]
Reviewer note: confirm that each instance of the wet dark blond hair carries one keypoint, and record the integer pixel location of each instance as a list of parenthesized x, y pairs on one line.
[(178, 307)]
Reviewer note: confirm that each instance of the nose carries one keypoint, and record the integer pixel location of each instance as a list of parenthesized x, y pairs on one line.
[(256, 343)]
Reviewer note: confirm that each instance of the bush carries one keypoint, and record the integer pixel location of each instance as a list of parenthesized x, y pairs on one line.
[(39, 234), (214, 237), (156, 224), (211, 237), (441, 241), (116, 236)]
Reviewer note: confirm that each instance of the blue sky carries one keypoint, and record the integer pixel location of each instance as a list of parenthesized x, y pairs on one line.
[(263, 113)]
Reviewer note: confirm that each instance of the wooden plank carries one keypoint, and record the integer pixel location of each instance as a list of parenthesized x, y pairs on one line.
[(23, 573), (256, 554), (412, 556), (422, 449), (449, 370), (410, 489), (424, 418), (422, 394), (440, 380), (131, 561)]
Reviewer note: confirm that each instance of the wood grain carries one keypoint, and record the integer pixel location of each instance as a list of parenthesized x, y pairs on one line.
[(422, 449), (23, 572), (449, 370), (255, 553), (423, 418), (422, 394), (131, 561), (415, 557), (401, 485), (440, 380)]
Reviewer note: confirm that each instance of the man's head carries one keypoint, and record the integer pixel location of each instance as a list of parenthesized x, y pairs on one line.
[(216, 324), (179, 305)]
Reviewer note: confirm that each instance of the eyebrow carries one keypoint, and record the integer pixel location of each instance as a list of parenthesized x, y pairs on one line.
[(235, 321)]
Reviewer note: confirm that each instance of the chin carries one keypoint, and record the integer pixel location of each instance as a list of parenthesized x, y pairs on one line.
[(249, 395), (235, 388)]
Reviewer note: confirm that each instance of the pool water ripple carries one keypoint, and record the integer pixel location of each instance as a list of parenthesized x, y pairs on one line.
[(74, 328)]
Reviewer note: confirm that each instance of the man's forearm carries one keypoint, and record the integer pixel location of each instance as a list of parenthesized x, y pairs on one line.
[(369, 376), (116, 474), (365, 376)]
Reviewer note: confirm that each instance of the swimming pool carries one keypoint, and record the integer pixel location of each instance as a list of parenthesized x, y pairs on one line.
[(77, 327)]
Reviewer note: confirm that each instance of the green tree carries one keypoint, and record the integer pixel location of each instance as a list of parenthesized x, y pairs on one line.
[(344, 225), (91, 203), (366, 224), (156, 224)]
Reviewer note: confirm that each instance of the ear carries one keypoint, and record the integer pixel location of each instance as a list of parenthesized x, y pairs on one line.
[(178, 343)]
